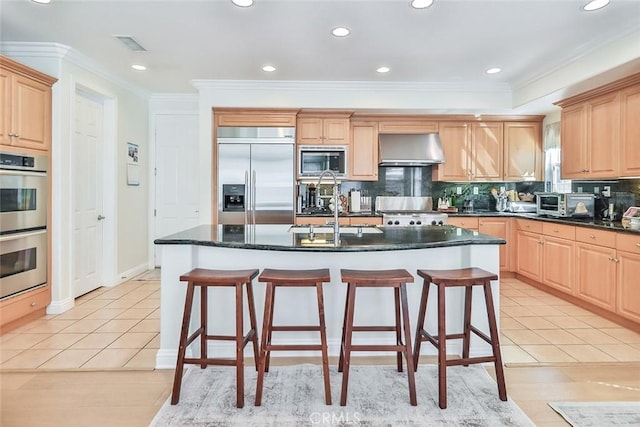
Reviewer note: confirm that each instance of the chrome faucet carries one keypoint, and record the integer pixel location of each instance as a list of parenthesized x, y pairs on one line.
[(336, 202)]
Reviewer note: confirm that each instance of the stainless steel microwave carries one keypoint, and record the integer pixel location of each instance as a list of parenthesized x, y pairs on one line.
[(569, 205), (313, 160)]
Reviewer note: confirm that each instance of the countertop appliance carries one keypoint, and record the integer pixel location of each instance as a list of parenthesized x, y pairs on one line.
[(313, 160), (565, 205), (522, 207), (410, 149), (23, 222), (256, 175), (408, 211)]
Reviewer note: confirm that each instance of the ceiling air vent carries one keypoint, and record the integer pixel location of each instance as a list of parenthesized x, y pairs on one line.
[(131, 43)]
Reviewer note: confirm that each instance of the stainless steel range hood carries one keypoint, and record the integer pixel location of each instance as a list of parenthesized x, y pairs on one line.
[(410, 149)]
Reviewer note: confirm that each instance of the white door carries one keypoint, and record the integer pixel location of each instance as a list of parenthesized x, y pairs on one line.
[(87, 178), (176, 204)]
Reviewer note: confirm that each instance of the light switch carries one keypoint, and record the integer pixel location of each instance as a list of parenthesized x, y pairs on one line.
[(458, 190), (475, 190)]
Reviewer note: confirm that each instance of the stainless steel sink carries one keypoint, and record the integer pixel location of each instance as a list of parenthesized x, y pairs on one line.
[(347, 229)]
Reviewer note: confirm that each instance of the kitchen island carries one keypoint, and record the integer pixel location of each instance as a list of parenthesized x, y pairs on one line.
[(275, 246)]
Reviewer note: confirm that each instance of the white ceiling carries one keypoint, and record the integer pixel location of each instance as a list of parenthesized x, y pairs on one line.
[(453, 41)]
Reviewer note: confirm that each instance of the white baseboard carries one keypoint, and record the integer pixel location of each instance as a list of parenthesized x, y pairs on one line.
[(57, 307), (129, 274)]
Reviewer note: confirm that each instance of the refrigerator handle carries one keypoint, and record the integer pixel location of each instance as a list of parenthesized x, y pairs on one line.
[(247, 194), (253, 198)]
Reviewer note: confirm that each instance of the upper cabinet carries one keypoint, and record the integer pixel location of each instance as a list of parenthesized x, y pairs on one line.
[(472, 151), (522, 151), (25, 96), (323, 128), (407, 125), (600, 131), (363, 151), (254, 117)]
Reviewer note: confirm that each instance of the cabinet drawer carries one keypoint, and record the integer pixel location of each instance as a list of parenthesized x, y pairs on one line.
[(529, 225), (464, 222), (365, 220), (596, 237), (23, 305), (628, 242), (558, 230)]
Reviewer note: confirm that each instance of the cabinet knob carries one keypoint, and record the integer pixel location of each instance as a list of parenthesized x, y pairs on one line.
[(556, 231), (591, 236), (540, 242), (638, 245), (527, 226), (614, 259), (33, 304)]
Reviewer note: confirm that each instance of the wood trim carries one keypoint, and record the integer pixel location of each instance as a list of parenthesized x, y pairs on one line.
[(602, 90), (325, 114), (254, 116), (25, 71), (629, 324), (440, 117)]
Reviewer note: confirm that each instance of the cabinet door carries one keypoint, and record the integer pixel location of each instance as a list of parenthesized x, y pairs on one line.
[(456, 144), (596, 275), (309, 131), (359, 220), (529, 261), (630, 131), (603, 136), (498, 227), (335, 132), (558, 259), (5, 107), (31, 120), (522, 151), (363, 153), (573, 142), (628, 291), (407, 126), (468, 222), (487, 151)]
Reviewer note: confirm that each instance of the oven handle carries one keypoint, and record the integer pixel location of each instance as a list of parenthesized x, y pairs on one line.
[(22, 173), (7, 237)]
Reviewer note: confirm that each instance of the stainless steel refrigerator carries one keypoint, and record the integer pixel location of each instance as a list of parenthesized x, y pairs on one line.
[(256, 175)]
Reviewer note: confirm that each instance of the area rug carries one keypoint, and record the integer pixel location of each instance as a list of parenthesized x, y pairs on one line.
[(378, 396), (598, 414), (149, 275)]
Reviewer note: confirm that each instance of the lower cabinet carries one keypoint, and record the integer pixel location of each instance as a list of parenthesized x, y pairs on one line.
[(596, 275), (529, 247), (343, 220), (501, 228), (628, 284), (558, 256)]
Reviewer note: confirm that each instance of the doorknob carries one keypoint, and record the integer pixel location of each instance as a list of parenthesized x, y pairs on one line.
[(100, 217)]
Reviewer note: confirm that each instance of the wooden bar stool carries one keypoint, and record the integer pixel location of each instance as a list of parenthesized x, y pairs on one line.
[(204, 279), (396, 279), (467, 277), (292, 278)]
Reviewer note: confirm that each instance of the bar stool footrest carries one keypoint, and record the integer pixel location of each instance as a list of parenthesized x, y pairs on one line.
[(470, 360), (373, 347), (292, 328), (210, 361)]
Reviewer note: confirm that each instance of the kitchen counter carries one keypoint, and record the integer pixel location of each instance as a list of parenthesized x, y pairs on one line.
[(342, 214), (273, 246)]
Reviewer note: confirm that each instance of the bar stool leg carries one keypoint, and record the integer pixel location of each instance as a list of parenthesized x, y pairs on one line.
[(266, 329), (344, 328), (420, 327), (351, 296), (323, 343), (407, 340), (271, 311), (396, 297), (239, 347), (184, 332), (442, 348), (203, 325), (495, 343), (252, 320), (468, 293)]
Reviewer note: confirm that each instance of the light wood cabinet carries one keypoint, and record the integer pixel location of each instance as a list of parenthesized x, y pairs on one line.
[(628, 290), (472, 151), (630, 131), (361, 220), (529, 261), (255, 117), (468, 222), (558, 256), (363, 152), (322, 220), (501, 228), (407, 126), (522, 151), (323, 129), (25, 96), (596, 274)]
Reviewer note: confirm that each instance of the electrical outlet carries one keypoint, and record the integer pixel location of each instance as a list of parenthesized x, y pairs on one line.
[(475, 190), (502, 189), (458, 190), (579, 189), (596, 190)]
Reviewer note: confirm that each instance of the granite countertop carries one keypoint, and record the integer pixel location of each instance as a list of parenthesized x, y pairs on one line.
[(592, 223), (278, 237)]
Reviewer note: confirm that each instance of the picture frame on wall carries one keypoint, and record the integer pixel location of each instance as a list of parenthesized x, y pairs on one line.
[(133, 166)]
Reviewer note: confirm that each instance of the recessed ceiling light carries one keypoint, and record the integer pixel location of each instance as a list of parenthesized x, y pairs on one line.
[(421, 4), (493, 70), (340, 31), (242, 3), (383, 69), (139, 67), (42, 1), (269, 68), (595, 5)]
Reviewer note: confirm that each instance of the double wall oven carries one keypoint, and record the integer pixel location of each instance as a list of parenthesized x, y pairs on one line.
[(23, 222)]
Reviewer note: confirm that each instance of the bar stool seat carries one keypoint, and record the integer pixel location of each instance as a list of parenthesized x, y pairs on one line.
[(396, 279), (275, 278), (204, 279), (465, 277)]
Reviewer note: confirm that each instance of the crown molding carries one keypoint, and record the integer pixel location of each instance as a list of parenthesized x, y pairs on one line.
[(66, 53)]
